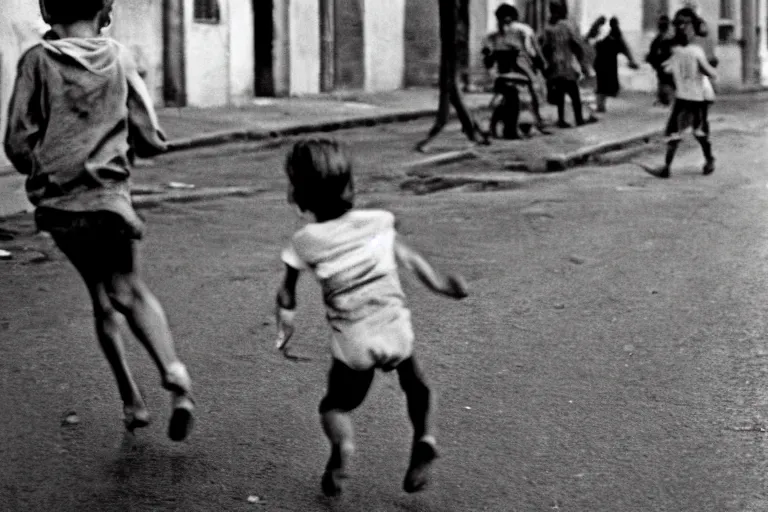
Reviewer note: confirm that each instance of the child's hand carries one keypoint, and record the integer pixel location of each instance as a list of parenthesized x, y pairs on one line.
[(284, 327), (457, 287)]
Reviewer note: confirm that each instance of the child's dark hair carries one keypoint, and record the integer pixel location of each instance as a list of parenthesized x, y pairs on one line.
[(699, 27), (507, 11), (67, 12), (321, 175)]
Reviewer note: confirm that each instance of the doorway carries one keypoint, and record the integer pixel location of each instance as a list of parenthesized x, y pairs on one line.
[(263, 37)]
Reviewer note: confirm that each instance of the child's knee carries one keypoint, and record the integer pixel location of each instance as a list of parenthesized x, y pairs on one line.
[(344, 402), (124, 290)]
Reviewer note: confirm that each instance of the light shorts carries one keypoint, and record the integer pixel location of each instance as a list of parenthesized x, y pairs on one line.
[(382, 340)]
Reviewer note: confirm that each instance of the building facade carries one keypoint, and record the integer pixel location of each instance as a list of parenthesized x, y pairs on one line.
[(224, 52)]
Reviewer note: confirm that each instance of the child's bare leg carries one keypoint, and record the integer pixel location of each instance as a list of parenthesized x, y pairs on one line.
[(147, 320), (347, 389), (420, 406), (706, 148), (672, 146), (79, 250), (110, 339)]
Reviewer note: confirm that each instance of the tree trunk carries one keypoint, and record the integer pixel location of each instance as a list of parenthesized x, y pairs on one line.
[(449, 90)]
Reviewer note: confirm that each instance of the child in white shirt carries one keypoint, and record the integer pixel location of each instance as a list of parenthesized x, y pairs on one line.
[(693, 91), (354, 255)]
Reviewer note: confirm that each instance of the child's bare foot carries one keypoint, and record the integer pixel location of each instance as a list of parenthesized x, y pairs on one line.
[(182, 419), (178, 382), (135, 416), (336, 470), (423, 454)]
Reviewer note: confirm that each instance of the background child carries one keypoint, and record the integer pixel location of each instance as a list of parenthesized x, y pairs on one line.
[(354, 255), (693, 92), (78, 114), (660, 51)]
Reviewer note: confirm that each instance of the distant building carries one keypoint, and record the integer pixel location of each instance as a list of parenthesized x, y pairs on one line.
[(223, 52)]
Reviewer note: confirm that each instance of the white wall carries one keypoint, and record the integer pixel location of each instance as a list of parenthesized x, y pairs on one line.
[(384, 52), (20, 27), (138, 24), (207, 58), (304, 46), (242, 59)]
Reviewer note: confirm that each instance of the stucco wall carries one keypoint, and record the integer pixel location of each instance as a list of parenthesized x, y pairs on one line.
[(383, 29), (207, 58), (242, 60), (304, 47), (138, 24)]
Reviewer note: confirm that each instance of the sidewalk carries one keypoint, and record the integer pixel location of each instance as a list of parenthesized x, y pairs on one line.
[(273, 117), (630, 117)]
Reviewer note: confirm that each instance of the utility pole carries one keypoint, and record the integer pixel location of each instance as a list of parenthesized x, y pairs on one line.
[(174, 65), (749, 42), (327, 45), (762, 41)]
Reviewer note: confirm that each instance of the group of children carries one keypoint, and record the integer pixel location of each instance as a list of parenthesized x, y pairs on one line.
[(80, 114)]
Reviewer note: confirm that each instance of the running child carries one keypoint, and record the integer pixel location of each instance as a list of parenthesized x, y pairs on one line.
[(354, 254), (78, 116), (692, 73)]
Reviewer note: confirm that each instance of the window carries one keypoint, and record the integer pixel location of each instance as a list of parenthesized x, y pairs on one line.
[(207, 11), (726, 10), (726, 24)]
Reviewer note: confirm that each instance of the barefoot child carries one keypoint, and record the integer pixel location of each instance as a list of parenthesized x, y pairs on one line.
[(354, 254), (691, 72), (78, 115)]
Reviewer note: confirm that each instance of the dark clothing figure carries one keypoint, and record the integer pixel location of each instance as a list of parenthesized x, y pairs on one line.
[(607, 51), (561, 45), (659, 52)]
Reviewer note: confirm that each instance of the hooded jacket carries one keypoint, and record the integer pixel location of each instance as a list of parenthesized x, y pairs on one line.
[(78, 115)]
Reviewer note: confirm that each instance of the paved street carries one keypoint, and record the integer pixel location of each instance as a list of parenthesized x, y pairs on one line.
[(611, 356)]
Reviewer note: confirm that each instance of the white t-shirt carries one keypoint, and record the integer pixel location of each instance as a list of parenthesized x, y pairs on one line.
[(685, 66), (353, 259)]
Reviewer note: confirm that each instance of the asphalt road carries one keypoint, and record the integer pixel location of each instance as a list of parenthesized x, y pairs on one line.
[(611, 357)]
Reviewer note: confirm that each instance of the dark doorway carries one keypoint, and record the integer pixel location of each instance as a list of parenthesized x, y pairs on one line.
[(349, 61), (263, 37)]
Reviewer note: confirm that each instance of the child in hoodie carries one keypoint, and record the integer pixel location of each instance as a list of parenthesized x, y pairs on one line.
[(78, 115)]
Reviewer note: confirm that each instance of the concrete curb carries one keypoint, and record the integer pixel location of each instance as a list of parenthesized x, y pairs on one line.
[(152, 200), (563, 161), (256, 134), (440, 159)]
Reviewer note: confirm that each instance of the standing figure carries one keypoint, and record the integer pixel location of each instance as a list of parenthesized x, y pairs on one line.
[(561, 45), (693, 92), (659, 52), (354, 254), (514, 57), (78, 115), (606, 63)]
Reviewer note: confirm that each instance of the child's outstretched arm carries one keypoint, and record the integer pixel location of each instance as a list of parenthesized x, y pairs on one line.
[(286, 307), (450, 285)]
